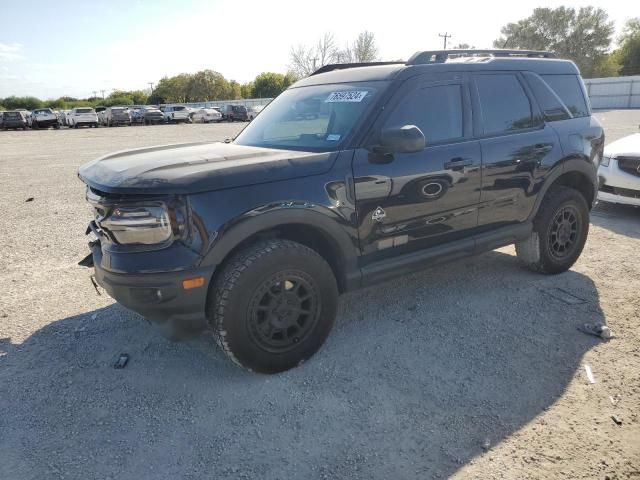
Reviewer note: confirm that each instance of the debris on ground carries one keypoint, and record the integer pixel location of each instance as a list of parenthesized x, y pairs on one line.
[(615, 399), (590, 376), (122, 361), (616, 419), (30, 199), (596, 329)]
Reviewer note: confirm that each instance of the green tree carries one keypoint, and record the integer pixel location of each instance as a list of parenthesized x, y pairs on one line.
[(628, 55), (246, 90), (583, 36), (30, 103), (207, 85), (234, 91), (270, 84)]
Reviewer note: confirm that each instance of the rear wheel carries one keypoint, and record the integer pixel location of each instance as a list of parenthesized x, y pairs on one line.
[(559, 234), (273, 305)]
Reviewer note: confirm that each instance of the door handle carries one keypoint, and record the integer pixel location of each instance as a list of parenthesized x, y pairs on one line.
[(458, 163)]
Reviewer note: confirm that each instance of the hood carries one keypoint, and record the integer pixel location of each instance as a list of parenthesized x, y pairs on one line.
[(198, 167), (625, 147)]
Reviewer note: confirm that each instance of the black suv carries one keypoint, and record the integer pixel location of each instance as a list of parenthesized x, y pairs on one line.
[(353, 176), (234, 113)]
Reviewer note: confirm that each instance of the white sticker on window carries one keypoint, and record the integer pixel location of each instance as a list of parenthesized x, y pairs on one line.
[(346, 96), (333, 137)]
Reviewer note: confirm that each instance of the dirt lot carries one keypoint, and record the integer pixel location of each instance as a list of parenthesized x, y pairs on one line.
[(468, 370)]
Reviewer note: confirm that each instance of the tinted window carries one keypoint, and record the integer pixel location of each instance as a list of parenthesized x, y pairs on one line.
[(505, 106), (84, 110), (551, 106), (437, 111), (569, 90)]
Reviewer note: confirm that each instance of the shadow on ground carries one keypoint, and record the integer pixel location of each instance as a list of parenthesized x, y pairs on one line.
[(621, 219), (417, 375)]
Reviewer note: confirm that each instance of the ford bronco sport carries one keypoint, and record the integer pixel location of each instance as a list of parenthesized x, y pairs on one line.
[(354, 175)]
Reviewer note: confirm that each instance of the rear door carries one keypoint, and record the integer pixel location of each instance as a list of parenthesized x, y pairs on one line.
[(518, 148), (411, 201)]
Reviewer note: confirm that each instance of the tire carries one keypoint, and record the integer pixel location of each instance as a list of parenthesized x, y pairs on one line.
[(263, 286), (560, 231)]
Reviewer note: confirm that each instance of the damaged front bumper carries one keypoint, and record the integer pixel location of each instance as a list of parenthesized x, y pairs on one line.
[(160, 297)]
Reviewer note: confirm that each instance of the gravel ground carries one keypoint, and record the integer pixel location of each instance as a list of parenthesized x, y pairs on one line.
[(469, 370)]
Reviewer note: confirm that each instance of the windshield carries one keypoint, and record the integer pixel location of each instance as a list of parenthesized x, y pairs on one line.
[(315, 118), (43, 111), (84, 110), (179, 109)]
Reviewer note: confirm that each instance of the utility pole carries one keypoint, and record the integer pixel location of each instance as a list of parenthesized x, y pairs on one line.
[(95, 93), (151, 86), (102, 94), (446, 36)]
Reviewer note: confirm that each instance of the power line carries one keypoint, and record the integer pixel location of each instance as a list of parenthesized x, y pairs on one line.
[(445, 35)]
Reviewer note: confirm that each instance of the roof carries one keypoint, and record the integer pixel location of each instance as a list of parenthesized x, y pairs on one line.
[(440, 61)]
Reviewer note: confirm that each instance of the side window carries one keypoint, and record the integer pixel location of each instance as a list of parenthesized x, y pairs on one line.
[(437, 111), (569, 90), (552, 107), (505, 105)]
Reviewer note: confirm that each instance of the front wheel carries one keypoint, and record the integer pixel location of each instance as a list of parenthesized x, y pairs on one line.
[(273, 305), (559, 232)]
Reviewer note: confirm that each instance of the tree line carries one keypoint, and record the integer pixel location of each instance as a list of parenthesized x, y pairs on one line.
[(584, 35)]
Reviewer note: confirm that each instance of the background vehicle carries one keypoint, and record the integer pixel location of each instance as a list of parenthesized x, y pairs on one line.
[(137, 114), (234, 113), (352, 176), (619, 172), (62, 118), (252, 112), (176, 114), (13, 120), (82, 116), (152, 116), (43, 118), (206, 115), (115, 116)]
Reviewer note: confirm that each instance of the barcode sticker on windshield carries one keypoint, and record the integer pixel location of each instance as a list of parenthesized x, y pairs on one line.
[(346, 96)]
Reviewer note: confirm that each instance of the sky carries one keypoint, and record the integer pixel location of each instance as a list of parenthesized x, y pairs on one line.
[(77, 47)]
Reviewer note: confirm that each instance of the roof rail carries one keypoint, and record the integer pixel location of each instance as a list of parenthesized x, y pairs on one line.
[(343, 66), (439, 56)]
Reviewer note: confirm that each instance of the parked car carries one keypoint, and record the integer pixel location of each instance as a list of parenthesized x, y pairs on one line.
[(43, 118), (82, 116), (206, 115), (115, 116), (255, 238), (14, 120), (234, 113), (176, 114), (152, 116), (619, 172), (252, 112), (137, 114), (62, 118)]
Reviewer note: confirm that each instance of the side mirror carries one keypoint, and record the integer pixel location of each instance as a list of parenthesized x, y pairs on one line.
[(406, 139)]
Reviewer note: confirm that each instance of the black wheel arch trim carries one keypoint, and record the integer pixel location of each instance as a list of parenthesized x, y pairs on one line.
[(579, 165), (323, 220)]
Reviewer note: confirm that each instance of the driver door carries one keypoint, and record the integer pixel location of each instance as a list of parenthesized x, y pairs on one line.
[(412, 201)]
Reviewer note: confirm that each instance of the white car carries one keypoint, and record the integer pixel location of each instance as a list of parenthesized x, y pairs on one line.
[(206, 115), (252, 112), (176, 114), (43, 118), (80, 116), (619, 172)]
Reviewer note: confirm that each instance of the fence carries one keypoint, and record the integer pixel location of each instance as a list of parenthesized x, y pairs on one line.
[(249, 102), (614, 92)]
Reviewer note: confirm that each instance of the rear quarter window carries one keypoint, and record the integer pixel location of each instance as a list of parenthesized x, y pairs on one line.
[(569, 89), (552, 107), (504, 103)]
